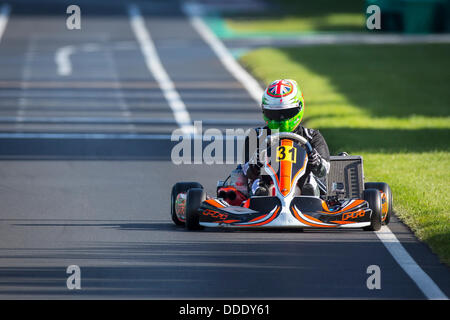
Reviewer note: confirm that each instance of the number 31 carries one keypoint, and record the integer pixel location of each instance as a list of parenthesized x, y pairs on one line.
[(284, 151)]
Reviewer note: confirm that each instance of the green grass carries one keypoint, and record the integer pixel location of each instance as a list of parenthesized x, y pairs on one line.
[(389, 103), (287, 16)]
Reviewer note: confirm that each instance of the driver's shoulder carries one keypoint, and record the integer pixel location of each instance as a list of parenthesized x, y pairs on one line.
[(307, 132)]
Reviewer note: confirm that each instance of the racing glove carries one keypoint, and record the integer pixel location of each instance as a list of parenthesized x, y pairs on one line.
[(316, 163), (314, 159), (252, 169)]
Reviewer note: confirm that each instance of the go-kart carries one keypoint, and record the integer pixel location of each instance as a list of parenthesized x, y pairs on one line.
[(288, 208)]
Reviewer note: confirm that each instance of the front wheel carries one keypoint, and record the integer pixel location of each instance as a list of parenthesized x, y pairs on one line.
[(194, 199), (386, 199), (373, 197), (178, 188)]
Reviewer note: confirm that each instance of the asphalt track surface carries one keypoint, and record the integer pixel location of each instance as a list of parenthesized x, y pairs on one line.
[(95, 199)]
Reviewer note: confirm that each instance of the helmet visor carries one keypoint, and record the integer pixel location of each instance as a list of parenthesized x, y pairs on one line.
[(282, 114)]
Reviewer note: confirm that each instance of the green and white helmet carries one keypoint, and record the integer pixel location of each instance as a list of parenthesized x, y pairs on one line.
[(283, 105)]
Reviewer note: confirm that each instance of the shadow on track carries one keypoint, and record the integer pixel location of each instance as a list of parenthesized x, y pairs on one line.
[(213, 263)]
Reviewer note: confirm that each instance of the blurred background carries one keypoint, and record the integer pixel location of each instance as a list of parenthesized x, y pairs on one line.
[(402, 16)]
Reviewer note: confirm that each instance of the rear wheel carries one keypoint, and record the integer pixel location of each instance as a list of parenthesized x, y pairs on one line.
[(383, 187), (177, 189), (373, 197), (194, 199)]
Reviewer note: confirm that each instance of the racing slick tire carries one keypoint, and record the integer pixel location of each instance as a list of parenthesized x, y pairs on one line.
[(194, 199), (383, 187), (176, 189), (373, 197)]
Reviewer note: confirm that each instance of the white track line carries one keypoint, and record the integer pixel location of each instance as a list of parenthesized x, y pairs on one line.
[(125, 110), (156, 68), (412, 269), (193, 11), (62, 60), (5, 10), (23, 101), (390, 241)]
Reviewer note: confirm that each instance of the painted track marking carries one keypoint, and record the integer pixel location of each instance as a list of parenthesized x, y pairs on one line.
[(5, 10), (156, 68), (407, 263), (62, 60)]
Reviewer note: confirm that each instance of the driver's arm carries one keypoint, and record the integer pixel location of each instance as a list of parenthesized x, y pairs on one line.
[(252, 166), (320, 158)]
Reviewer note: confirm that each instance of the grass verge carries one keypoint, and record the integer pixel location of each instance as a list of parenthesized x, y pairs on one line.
[(388, 103), (301, 16)]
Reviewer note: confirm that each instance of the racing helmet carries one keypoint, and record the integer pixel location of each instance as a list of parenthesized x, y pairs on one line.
[(283, 105)]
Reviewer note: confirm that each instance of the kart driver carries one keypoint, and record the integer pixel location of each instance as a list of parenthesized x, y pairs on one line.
[(283, 107)]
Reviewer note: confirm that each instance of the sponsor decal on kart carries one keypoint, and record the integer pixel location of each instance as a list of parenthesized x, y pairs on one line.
[(214, 214), (353, 215)]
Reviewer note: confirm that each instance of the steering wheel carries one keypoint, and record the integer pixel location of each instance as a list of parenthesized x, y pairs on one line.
[(275, 138)]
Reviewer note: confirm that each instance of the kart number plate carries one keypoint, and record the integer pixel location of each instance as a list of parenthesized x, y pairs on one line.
[(287, 153)]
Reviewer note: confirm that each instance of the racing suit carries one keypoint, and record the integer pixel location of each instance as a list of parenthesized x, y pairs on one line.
[(313, 182)]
